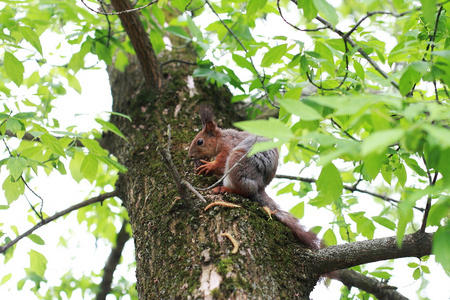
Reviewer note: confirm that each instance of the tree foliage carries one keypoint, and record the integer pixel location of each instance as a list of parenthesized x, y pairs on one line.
[(361, 87)]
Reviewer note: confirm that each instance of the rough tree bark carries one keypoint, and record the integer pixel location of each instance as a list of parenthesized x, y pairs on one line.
[(180, 250)]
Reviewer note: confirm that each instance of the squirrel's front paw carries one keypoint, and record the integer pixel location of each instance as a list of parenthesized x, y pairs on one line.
[(206, 168)]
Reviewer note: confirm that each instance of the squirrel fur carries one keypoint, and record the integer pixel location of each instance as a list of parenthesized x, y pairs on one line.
[(250, 176)]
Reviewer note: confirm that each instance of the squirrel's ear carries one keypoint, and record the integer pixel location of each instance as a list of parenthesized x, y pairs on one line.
[(210, 128)]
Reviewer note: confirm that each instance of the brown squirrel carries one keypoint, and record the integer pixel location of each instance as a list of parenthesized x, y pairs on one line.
[(250, 176)]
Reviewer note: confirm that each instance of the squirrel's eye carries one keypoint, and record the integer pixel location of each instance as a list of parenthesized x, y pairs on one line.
[(199, 142)]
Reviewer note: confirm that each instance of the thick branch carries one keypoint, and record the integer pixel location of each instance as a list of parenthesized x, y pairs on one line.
[(353, 254), (99, 198), (112, 262), (380, 290), (141, 43)]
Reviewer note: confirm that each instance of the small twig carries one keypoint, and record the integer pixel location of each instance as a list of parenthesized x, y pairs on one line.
[(40, 216), (118, 12), (432, 181), (261, 78), (177, 60), (190, 187), (292, 25), (372, 13), (344, 131), (348, 188), (112, 262), (167, 158), (360, 50), (99, 198), (320, 87)]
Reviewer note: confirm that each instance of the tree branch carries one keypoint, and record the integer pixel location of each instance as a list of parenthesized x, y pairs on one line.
[(99, 198), (112, 262), (346, 187), (353, 254), (370, 285), (139, 38)]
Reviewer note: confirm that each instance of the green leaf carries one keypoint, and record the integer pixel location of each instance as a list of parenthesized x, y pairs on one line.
[(16, 166), (440, 136), (119, 114), (13, 189), (379, 141), (271, 128), (309, 9), (157, 41), (372, 166), (327, 11), (74, 83), (107, 126), (363, 224), (75, 166), (103, 53), (416, 274), (36, 239), (425, 269), (178, 31), (13, 68), (112, 163), (195, 31), (274, 55), (298, 108), (329, 237), (53, 144), (243, 63), (329, 185), (384, 222), (25, 115), (14, 125), (94, 147), (5, 278), (409, 78), (298, 210), (429, 12), (30, 36), (254, 5), (359, 69), (441, 246), (89, 167), (159, 14), (38, 263)]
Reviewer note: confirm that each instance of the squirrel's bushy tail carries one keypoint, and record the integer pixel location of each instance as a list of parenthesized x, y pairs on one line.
[(307, 238)]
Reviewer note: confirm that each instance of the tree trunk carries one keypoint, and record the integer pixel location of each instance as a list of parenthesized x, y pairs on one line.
[(180, 250)]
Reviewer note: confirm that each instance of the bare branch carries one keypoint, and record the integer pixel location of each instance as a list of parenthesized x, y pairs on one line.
[(292, 25), (112, 262), (353, 188), (353, 254), (370, 285), (99, 198), (261, 78), (125, 11), (167, 158)]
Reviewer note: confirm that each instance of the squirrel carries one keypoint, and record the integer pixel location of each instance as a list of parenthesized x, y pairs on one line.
[(250, 176)]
